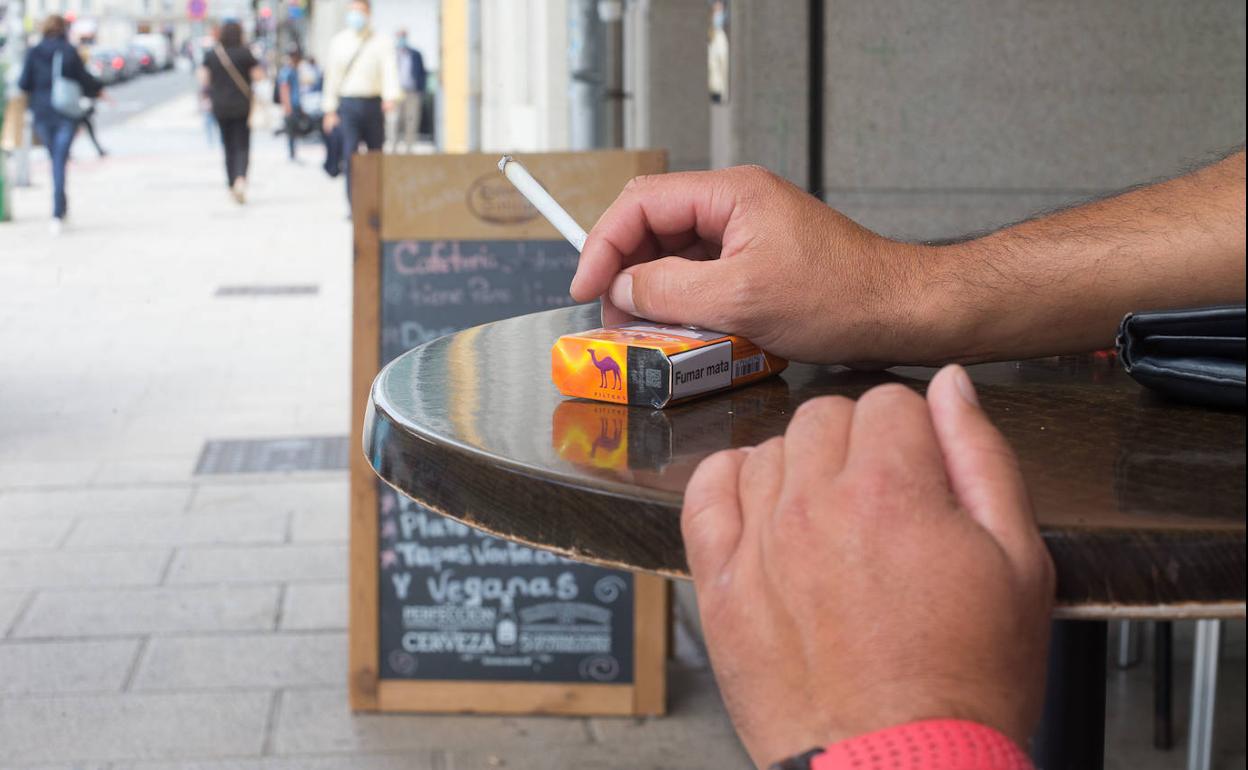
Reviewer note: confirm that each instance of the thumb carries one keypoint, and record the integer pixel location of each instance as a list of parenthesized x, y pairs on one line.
[(983, 470), (710, 520), (673, 290)]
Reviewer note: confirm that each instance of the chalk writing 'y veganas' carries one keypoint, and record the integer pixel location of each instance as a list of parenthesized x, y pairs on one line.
[(474, 589)]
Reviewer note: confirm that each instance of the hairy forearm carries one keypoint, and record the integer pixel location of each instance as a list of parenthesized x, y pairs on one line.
[(1061, 283)]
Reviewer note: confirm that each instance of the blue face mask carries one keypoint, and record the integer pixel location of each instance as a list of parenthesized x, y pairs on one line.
[(357, 20)]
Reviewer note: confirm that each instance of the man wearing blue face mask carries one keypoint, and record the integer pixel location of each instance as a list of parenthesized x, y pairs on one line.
[(361, 84)]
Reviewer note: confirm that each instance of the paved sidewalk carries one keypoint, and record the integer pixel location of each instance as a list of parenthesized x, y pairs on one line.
[(151, 618)]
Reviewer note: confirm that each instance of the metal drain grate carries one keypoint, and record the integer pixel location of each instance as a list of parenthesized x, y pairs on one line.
[(273, 455), (267, 291)]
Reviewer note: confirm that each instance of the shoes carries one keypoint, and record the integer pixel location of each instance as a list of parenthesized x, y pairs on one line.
[(239, 190), (56, 226)]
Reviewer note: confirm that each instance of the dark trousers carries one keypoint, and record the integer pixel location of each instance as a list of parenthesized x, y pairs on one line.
[(361, 120), (291, 124), (57, 134), (88, 122), (236, 138), (89, 125)]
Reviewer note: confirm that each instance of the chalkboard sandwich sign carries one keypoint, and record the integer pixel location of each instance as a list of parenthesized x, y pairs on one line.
[(443, 617)]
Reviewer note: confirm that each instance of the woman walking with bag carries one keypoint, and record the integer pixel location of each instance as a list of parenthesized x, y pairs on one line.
[(228, 71), (55, 80)]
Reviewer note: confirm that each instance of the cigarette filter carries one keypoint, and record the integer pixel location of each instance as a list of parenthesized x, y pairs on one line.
[(656, 365)]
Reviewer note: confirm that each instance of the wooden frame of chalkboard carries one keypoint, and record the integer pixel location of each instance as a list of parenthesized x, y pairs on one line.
[(400, 199)]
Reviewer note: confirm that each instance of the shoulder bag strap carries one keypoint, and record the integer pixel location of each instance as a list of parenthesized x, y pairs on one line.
[(354, 57), (231, 70)]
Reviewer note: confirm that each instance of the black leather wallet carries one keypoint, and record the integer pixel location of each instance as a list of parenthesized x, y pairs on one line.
[(1196, 356)]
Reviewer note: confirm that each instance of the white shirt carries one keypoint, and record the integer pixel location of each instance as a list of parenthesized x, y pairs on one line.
[(374, 73)]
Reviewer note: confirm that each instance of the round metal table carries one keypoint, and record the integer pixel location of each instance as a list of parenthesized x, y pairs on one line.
[(1141, 501)]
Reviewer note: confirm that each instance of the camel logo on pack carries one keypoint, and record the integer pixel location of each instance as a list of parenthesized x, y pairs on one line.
[(610, 433), (606, 365)]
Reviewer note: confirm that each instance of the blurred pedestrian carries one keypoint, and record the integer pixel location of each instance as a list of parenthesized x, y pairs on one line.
[(205, 96), (228, 71), (88, 114), (205, 109), (412, 79), (295, 123), (361, 83), (54, 59), (88, 123)]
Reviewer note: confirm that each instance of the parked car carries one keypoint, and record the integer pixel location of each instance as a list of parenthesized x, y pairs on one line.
[(141, 57), (98, 67), (158, 46), (107, 64)]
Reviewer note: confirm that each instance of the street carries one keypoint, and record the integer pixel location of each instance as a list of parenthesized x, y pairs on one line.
[(134, 96), (154, 617)]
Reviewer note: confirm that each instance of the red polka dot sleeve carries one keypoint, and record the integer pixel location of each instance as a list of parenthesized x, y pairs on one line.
[(938, 744)]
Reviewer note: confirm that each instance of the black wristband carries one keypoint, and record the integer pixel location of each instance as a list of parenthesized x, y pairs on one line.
[(798, 761)]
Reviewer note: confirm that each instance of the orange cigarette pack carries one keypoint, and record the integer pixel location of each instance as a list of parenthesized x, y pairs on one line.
[(655, 365)]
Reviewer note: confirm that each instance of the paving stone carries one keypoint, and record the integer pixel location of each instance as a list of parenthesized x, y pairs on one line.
[(550, 758), (113, 612), (255, 564), (61, 766), (22, 533), (697, 754), (318, 721), (11, 602), (696, 716), (65, 667), (417, 760), (312, 606), (102, 531), (58, 569), (145, 470), (85, 502), (293, 496), (243, 660), (315, 526), (18, 475), (132, 726)]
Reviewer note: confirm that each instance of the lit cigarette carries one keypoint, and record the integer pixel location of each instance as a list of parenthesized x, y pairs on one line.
[(541, 200)]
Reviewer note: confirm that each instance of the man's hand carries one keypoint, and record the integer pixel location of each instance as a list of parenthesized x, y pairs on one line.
[(329, 122), (389, 105), (743, 251), (876, 565)]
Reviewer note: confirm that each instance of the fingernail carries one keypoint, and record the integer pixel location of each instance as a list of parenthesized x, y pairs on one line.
[(572, 285), (622, 293), (965, 387)]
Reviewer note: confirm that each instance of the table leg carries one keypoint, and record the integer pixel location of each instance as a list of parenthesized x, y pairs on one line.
[(1128, 644), (1072, 731), (1204, 694), (1163, 678)]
